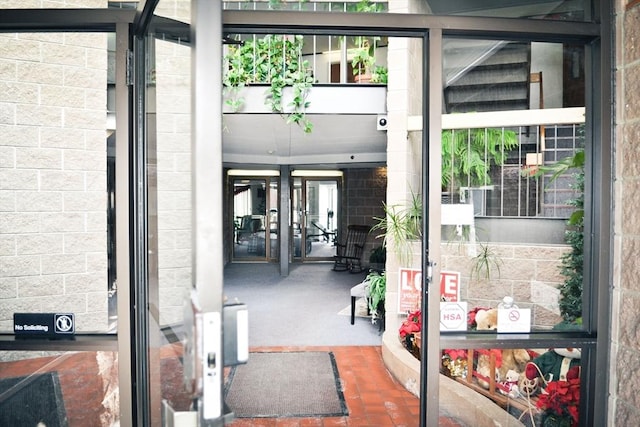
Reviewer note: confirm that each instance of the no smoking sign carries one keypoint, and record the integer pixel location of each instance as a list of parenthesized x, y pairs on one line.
[(514, 320)]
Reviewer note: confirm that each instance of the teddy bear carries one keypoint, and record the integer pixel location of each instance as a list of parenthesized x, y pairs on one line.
[(509, 385), (557, 364), (486, 319), (508, 359)]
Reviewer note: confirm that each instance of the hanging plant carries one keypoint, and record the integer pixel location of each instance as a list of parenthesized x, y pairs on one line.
[(277, 61)]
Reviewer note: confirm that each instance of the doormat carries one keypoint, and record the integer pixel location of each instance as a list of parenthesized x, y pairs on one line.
[(30, 400), (291, 384)]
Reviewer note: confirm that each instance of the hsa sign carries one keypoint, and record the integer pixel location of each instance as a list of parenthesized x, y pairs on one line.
[(410, 285)]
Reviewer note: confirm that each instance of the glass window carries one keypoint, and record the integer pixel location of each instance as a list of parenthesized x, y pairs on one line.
[(518, 176), (66, 4), (59, 389), (567, 10)]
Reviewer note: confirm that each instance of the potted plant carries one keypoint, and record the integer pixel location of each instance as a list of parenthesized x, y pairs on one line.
[(377, 283), (364, 64), (401, 225)]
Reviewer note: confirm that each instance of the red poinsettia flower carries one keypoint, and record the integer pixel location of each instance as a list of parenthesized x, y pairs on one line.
[(412, 324), (561, 398), (455, 354)]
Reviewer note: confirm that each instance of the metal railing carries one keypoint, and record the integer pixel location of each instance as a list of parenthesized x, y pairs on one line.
[(512, 186)]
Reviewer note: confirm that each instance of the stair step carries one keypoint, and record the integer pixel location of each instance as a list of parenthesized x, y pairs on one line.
[(486, 76), (487, 93), (469, 107)]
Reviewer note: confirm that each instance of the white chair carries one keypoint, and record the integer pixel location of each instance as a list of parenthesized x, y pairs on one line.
[(361, 290)]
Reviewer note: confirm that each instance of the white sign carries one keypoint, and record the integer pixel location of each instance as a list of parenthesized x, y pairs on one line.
[(514, 320), (453, 316)]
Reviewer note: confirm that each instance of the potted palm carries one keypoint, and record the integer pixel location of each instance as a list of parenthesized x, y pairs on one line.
[(401, 226)]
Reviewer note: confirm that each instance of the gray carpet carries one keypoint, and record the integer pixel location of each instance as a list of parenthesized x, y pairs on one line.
[(298, 384), (304, 308)]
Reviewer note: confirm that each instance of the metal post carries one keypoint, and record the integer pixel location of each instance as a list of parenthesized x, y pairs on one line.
[(431, 170), (206, 116)]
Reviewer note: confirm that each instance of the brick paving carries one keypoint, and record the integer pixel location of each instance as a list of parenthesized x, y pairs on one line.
[(373, 397)]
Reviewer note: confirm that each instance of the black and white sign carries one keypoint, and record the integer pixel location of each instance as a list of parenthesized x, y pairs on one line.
[(51, 325)]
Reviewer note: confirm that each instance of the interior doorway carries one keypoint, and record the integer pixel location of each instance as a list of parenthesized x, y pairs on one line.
[(255, 218), (315, 213)]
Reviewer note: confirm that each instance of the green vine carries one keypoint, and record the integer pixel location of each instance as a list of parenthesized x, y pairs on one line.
[(276, 60)]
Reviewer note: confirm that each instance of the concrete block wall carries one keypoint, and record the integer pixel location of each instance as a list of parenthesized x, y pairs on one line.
[(530, 274), (53, 240), (624, 403), (365, 192), (173, 90)]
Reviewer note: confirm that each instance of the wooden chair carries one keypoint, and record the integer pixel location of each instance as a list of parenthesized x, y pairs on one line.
[(349, 252)]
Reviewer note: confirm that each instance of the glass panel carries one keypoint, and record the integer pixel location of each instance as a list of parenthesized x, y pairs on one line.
[(512, 174), (564, 10), (59, 389), (250, 213), (539, 387), (274, 220), (168, 120), (322, 212), (310, 6), (67, 4), (56, 241), (308, 59), (297, 217)]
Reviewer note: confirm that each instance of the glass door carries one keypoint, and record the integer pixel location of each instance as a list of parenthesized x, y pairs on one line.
[(314, 217), (255, 219)]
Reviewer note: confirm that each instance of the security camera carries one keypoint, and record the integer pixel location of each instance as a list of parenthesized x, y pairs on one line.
[(382, 122)]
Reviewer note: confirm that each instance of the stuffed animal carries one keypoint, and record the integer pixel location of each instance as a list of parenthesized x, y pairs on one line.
[(486, 319), (507, 359), (557, 364), (509, 385)]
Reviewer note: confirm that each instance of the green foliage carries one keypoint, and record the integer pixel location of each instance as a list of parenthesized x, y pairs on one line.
[(380, 74), (276, 60), (364, 6), (401, 225), (467, 155), (573, 261), (363, 60), (377, 289), (572, 267), (485, 262)]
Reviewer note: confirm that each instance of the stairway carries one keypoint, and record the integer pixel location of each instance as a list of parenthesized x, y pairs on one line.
[(497, 77)]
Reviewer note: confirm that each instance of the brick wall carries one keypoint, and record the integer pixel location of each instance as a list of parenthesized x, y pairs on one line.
[(624, 403)]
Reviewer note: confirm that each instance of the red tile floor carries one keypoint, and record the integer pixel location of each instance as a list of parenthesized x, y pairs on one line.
[(373, 397), (88, 384)]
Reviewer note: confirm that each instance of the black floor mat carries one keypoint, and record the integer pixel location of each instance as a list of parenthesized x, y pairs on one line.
[(33, 399)]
